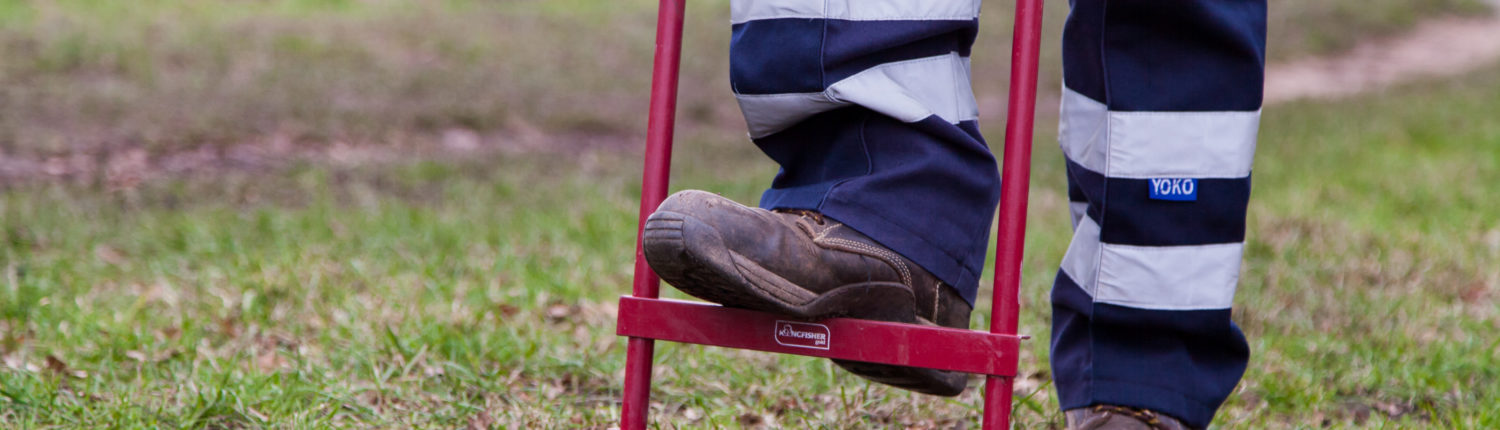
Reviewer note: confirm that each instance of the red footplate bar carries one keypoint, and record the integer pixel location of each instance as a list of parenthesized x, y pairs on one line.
[(843, 338)]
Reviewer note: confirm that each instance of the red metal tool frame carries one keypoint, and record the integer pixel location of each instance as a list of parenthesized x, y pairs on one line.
[(644, 318)]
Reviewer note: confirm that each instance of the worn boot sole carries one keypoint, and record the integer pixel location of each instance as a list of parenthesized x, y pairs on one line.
[(691, 255), (925, 381)]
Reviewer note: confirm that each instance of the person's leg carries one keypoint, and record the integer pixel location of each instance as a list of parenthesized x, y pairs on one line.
[(866, 105), (1159, 119)]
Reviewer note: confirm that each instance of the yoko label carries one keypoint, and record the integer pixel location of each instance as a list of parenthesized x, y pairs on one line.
[(802, 335), (1174, 189)]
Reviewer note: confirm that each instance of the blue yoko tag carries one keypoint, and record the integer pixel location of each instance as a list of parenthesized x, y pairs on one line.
[(1174, 189)]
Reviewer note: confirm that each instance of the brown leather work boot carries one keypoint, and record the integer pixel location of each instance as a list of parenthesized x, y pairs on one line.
[(801, 264), (1111, 417)]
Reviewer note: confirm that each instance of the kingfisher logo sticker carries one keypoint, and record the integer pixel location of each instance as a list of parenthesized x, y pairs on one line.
[(802, 335), (1174, 189)]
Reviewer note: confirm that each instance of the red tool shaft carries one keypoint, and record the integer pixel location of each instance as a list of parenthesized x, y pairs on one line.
[(658, 167), (1015, 183)]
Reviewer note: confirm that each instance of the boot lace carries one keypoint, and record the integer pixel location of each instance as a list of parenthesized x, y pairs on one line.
[(1146, 416), (816, 217)]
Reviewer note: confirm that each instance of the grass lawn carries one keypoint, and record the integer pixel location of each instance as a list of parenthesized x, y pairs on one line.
[(478, 291), (435, 294)]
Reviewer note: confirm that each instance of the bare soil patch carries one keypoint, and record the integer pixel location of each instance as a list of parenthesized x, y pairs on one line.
[(126, 166), (1436, 48), (1441, 47)]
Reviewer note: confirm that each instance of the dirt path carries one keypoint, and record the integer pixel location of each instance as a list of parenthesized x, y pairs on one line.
[(119, 168), (1435, 49)]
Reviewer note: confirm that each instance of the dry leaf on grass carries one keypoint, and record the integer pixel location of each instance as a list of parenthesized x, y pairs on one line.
[(57, 366), (750, 420), (558, 312), (110, 255), (481, 421), (229, 327), (507, 311), (268, 361)]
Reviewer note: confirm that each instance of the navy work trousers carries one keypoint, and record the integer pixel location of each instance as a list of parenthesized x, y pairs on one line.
[(867, 107)]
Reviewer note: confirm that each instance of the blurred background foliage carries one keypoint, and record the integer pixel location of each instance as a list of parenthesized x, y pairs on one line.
[(88, 75)]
